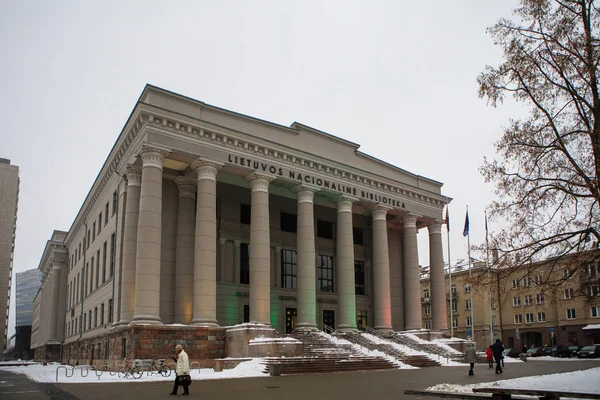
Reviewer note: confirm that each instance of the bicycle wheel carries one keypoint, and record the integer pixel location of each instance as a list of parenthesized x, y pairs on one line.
[(123, 372), (165, 371), (136, 372)]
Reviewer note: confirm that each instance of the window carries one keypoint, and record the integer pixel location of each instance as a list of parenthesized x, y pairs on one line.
[(529, 318), (516, 301), (357, 236), (469, 321), (79, 251), (359, 278), (571, 313), (539, 280), (244, 264), (516, 284), (427, 324), (454, 306), (467, 288), (110, 310), (518, 319), (426, 293), (539, 299), (113, 248), (95, 317), (596, 312), (245, 214), (528, 300), (288, 266), (361, 319), (325, 277), (493, 320), (324, 229), (453, 290), (590, 269), (455, 322), (493, 304), (99, 223), (90, 320), (541, 317), (289, 222), (569, 293), (89, 235), (84, 321), (104, 246), (467, 304), (427, 310), (593, 290), (566, 273), (114, 202), (77, 288), (93, 232), (97, 267), (102, 314), (526, 281), (106, 213), (87, 274)]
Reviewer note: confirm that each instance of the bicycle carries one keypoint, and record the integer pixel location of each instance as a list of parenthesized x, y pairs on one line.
[(161, 368), (128, 369)]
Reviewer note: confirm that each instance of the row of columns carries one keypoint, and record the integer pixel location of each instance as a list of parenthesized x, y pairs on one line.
[(196, 254)]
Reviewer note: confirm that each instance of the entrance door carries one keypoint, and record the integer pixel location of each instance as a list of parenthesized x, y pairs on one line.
[(290, 319), (329, 318)]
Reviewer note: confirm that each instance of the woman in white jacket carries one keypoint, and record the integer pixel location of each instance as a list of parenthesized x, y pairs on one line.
[(183, 370)]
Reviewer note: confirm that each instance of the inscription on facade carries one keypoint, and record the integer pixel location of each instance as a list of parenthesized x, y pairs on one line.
[(326, 184)]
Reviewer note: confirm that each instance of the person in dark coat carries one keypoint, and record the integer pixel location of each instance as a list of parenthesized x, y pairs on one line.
[(498, 351)]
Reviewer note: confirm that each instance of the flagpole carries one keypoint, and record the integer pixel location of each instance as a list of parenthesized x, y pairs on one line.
[(487, 265), (449, 273), (471, 289)]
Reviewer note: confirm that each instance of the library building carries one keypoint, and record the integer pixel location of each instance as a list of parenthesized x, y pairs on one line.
[(203, 222)]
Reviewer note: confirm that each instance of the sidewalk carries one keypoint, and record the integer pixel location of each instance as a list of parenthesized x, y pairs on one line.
[(372, 385)]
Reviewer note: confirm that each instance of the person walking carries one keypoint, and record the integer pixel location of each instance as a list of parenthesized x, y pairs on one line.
[(489, 356), (471, 357), (498, 351), (182, 373)]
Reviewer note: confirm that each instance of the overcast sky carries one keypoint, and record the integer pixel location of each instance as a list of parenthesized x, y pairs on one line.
[(396, 77)]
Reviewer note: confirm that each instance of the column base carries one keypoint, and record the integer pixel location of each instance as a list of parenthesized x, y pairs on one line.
[(205, 324), (346, 328), (146, 320), (120, 323), (306, 328), (384, 329)]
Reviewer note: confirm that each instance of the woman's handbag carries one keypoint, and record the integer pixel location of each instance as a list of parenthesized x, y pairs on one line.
[(184, 380)]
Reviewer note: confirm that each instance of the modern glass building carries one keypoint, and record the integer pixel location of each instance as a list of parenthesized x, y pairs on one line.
[(28, 284)]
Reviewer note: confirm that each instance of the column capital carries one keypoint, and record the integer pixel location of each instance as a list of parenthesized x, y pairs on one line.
[(304, 193), (186, 187), (223, 240), (435, 227), (133, 175), (237, 243), (379, 212), (259, 182), (409, 221), (153, 156), (344, 203), (206, 169)]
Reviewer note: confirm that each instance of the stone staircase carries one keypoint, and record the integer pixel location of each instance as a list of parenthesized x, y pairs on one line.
[(323, 355), (430, 347), (415, 360)]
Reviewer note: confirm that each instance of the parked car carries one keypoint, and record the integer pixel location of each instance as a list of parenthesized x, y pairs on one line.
[(546, 351), (560, 351), (589, 352), (534, 352), (574, 350), (514, 353)]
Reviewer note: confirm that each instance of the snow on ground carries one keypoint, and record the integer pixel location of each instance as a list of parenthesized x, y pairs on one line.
[(587, 381)]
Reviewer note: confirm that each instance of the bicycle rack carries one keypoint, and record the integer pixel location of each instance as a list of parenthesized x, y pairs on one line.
[(66, 371)]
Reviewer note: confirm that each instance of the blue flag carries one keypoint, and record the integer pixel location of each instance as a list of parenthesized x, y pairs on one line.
[(466, 230)]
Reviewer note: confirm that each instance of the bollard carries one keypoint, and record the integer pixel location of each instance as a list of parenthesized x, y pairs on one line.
[(275, 370)]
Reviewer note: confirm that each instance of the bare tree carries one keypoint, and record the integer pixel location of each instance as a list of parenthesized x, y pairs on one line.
[(547, 164)]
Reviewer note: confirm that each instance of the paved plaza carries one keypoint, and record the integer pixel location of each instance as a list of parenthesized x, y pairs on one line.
[(373, 385)]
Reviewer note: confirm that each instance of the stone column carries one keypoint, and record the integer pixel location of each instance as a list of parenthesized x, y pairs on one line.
[(437, 278), (222, 243), (54, 294), (149, 236), (184, 252), (236, 260), (132, 209), (396, 278), (205, 253), (346, 287), (412, 285), (381, 271), (260, 250), (307, 299)]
